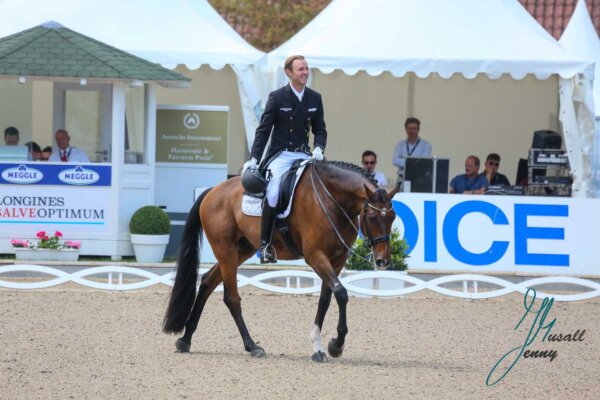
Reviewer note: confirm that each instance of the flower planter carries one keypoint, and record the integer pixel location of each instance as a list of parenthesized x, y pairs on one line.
[(149, 248), (23, 254)]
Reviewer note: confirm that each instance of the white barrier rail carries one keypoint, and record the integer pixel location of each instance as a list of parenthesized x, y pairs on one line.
[(291, 282)]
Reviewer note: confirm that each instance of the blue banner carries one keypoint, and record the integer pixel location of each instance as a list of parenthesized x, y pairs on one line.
[(55, 174)]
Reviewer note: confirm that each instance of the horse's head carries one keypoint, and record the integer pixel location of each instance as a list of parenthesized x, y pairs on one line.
[(376, 221)]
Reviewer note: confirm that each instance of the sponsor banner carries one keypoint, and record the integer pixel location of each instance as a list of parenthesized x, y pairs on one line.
[(55, 174), (31, 208), (188, 134), (550, 235)]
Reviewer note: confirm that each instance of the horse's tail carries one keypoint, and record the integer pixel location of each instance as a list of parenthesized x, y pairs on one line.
[(184, 288)]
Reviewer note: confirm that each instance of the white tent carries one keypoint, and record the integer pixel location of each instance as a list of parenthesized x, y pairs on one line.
[(168, 32), (443, 38), (581, 39)]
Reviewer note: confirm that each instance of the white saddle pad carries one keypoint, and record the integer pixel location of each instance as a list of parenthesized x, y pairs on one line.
[(252, 206)]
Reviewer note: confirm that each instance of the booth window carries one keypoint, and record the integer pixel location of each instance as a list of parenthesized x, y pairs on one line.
[(83, 119), (135, 128)]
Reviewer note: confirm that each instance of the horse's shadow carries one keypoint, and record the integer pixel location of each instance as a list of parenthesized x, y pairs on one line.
[(345, 361)]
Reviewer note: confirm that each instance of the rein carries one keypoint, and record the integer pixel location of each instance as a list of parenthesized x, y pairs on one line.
[(370, 241)]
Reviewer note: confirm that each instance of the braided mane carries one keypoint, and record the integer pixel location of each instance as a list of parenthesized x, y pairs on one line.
[(346, 166)]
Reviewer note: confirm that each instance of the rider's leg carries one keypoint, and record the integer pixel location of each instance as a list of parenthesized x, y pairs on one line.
[(267, 251)]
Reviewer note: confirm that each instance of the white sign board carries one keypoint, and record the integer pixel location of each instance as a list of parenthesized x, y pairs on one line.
[(548, 235)]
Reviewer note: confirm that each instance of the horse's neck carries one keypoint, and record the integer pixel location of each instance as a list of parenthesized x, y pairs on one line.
[(349, 193)]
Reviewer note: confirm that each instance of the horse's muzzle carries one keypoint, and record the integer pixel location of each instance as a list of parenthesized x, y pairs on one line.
[(382, 264)]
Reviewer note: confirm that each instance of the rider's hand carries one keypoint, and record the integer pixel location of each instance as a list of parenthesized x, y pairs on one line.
[(251, 163), (317, 154)]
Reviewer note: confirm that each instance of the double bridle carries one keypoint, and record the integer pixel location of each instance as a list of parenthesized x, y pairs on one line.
[(363, 214), (363, 221)]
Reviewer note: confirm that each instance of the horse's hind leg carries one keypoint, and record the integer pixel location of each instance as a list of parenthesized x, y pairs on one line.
[(210, 280), (233, 301)]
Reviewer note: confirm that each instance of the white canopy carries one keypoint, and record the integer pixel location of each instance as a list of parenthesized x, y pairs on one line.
[(168, 32), (468, 37), (446, 37), (581, 39)]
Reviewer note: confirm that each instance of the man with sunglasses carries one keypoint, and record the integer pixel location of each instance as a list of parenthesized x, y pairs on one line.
[(369, 161), (492, 163)]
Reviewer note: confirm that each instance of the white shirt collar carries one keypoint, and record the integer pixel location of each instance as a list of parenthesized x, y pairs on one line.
[(298, 94)]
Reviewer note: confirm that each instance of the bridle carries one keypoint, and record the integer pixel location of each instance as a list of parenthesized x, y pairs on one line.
[(364, 226), (363, 213)]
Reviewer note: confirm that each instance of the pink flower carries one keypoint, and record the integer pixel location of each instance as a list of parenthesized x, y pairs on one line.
[(58, 234), (70, 244), (41, 234)]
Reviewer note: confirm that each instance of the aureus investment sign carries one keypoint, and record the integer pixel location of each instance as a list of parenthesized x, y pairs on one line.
[(191, 136)]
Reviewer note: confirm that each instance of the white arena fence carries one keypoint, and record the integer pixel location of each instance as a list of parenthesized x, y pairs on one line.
[(364, 283)]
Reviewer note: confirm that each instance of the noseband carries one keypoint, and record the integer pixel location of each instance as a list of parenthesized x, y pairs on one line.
[(365, 226)]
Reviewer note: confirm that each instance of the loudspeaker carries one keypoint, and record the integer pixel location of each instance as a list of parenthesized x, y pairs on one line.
[(427, 175)]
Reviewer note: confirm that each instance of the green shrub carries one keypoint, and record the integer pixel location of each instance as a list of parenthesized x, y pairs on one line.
[(150, 220), (361, 256)]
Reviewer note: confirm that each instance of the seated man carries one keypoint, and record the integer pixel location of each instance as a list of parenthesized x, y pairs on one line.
[(11, 136), (46, 153), (65, 152), (492, 163), (470, 182), (35, 152), (369, 161)]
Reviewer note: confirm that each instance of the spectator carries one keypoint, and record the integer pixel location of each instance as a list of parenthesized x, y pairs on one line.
[(492, 164), (470, 182), (35, 152), (369, 162), (46, 153), (11, 136), (412, 146), (65, 152)]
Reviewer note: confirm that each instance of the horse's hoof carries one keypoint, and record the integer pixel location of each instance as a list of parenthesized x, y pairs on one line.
[(319, 357), (182, 347), (258, 352), (333, 349)]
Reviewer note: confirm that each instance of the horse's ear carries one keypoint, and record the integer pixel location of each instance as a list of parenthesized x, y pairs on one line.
[(395, 190)]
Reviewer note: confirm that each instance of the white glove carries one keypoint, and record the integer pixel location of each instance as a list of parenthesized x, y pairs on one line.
[(317, 154), (251, 163)]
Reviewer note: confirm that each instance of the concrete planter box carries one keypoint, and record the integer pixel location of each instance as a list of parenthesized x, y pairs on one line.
[(23, 254), (149, 248)]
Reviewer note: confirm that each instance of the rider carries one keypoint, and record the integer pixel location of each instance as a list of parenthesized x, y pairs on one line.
[(290, 113)]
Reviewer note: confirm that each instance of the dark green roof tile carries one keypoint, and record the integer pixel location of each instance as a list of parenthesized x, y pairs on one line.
[(52, 50)]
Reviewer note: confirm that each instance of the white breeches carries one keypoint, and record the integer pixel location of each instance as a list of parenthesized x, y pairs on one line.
[(278, 167)]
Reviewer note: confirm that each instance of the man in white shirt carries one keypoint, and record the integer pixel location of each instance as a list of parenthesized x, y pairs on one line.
[(413, 146), (65, 152), (369, 162)]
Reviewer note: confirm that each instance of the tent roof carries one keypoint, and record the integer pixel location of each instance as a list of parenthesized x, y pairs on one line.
[(435, 36), (581, 39), (51, 50), (168, 32)]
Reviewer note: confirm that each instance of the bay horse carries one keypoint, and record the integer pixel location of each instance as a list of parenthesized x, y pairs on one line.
[(323, 223)]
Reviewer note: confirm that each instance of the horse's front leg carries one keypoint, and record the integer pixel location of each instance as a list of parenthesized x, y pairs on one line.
[(315, 334), (331, 285)]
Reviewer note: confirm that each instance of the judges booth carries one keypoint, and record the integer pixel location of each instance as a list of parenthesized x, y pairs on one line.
[(107, 103)]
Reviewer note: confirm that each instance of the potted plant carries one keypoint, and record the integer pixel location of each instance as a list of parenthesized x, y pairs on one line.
[(48, 248), (360, 259), (149, 227)]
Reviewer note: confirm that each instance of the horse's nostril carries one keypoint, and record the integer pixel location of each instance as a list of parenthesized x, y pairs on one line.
[(379, 262)]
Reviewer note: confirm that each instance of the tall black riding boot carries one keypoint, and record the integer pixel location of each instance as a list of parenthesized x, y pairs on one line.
[(267, 251)]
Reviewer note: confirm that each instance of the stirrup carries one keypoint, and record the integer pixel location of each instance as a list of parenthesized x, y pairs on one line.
[(267, 254)]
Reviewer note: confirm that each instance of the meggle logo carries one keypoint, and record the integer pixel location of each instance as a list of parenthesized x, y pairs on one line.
[(79, 176), (22, 174)]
